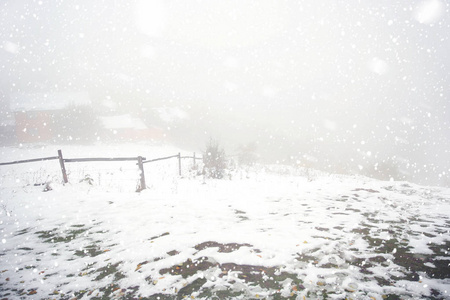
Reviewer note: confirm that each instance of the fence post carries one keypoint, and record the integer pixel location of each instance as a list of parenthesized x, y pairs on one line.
[(194, 160), (63, 167), (141, 169), (179, 164)]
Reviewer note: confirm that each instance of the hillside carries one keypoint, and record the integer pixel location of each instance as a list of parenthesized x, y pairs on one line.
[(267, 232)]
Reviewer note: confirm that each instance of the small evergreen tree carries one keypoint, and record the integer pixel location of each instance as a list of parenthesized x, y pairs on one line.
[(214, 160)]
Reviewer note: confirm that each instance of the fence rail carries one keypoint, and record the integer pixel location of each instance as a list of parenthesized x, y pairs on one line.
[(28, 160), (140, 161), (70, 160), (157, 159), (193, 157)]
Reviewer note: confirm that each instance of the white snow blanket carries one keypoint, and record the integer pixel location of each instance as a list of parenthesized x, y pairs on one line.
[(265, 232)]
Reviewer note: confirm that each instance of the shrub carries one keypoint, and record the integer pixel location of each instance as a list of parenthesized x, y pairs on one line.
[(214, 160)]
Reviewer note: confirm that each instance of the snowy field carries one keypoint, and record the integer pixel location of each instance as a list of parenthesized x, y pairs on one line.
[(267, 232)]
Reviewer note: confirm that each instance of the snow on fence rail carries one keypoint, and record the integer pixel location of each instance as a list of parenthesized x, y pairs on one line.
[(140, 161)]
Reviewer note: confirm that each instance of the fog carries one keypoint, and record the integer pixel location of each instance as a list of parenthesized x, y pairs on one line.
[(356, 87)]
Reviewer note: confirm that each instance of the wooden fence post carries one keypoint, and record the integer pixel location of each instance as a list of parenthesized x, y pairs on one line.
[(179, 164), (142, 175), (63, 167), (194, 160)]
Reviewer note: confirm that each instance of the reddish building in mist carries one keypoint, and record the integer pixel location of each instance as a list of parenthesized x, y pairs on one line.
[(34, 114), (33, 126)]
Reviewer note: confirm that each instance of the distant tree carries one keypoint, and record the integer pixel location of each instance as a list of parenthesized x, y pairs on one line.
[(214, 160)]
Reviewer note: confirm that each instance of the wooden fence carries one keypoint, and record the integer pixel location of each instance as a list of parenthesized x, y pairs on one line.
[(140, 161)]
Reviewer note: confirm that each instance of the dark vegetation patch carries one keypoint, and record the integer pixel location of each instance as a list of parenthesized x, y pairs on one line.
[(265, 277), (352, 209), (412, 263), (241, 215), (109, 270), (189, 267), (55, 236), (90, 250), (361, 230), (23, 231), (194, 286), (342, 199), (268, 278), (158, 236), (366, 190), (173, 253), (25, 249), (322, 229), (306, 258), (223, 248), (340, 213)]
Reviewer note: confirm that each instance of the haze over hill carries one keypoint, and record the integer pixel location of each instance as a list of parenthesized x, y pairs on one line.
[(343, 86)]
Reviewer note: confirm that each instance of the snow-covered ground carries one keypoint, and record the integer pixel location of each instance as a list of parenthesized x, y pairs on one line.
[(267, 232)]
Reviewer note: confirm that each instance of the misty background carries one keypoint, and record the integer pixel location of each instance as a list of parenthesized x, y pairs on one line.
[(355, 87)]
